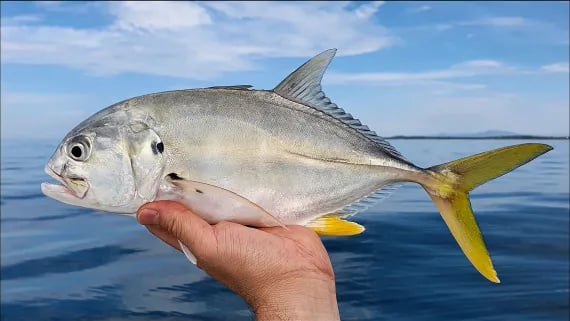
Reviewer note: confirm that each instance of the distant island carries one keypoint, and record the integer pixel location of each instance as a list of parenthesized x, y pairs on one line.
[(490, 134)]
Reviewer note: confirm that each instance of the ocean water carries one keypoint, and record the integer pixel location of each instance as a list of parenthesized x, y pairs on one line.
[(60, 262)]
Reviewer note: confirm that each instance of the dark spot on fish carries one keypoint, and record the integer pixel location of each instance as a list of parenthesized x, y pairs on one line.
[(174, 176), (199, 191), (157, 147)]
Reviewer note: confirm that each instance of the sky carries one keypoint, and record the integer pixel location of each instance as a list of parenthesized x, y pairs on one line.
[(408, 68)]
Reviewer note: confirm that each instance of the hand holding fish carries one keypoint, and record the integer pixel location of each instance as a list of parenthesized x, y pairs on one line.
[(281, 273)]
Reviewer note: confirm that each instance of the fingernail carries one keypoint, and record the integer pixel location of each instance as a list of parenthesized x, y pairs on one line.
[(148, 217)]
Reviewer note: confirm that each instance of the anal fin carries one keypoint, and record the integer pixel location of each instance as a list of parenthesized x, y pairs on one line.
[(333, 225), (370, 200)]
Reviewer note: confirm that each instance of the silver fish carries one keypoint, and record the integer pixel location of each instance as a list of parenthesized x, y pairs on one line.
[(261, 158)]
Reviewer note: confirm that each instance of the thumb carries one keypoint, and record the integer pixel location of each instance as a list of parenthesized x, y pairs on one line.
[(177, 220)]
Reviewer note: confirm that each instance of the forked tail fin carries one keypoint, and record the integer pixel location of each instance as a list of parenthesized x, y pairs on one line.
[(450, 187)]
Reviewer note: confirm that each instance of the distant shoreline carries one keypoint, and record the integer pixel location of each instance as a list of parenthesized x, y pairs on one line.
[(482, 138)]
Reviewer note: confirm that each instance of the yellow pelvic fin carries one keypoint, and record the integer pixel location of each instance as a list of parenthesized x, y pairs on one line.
[(333, 225), (449, 191)]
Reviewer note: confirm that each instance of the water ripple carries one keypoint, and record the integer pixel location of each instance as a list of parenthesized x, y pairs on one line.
[(29, 196), (69, 262), (39, 219)]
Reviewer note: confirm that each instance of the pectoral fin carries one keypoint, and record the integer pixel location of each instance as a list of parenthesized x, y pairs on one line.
[(215, 204), (187, 252), (333, 225)]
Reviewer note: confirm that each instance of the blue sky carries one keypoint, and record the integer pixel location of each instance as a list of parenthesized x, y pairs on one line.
[(401, 67)]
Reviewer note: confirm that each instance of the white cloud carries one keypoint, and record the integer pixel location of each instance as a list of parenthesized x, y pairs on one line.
[(465, 69), (500, 22), (446, 87), (510, 29), (561, 67), (159, 15), (442, 27), (490, 22), (27, 18), (516, 28), (421, 9), (365, 11), (197, 40), (444, 80), (486, 64), (49, 4), (70, 7)]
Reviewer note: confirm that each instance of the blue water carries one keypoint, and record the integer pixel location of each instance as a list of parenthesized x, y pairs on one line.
[(66, 263)]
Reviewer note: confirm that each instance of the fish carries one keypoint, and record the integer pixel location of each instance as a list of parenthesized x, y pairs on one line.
[(262, 158)]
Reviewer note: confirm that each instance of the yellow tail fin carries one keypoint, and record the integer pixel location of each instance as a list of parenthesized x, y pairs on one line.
[(449, 191)]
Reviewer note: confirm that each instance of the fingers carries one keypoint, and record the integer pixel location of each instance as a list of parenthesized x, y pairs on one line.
[(164, 235), (176, 220), (295, 231)]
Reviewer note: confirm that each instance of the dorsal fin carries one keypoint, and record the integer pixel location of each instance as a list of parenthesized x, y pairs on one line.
[(235, 87), (304, 85)]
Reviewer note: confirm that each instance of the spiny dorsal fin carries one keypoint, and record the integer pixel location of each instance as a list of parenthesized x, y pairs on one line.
[(304, 85), (235, 87)]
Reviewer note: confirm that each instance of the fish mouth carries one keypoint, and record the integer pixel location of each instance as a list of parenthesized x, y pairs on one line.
[(73, 186)]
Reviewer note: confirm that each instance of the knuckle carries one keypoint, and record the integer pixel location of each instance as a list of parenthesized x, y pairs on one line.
[(223, 225), (174, 224)]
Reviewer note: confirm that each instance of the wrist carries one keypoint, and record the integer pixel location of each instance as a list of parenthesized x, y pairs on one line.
[(297, 299)]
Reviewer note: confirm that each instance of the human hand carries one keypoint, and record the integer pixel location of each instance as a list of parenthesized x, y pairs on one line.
[(281, 273)]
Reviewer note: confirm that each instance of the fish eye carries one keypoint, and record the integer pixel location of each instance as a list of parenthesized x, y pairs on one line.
[(79, 148)]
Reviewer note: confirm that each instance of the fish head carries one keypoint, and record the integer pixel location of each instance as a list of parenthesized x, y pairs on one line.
[(112, 164)]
